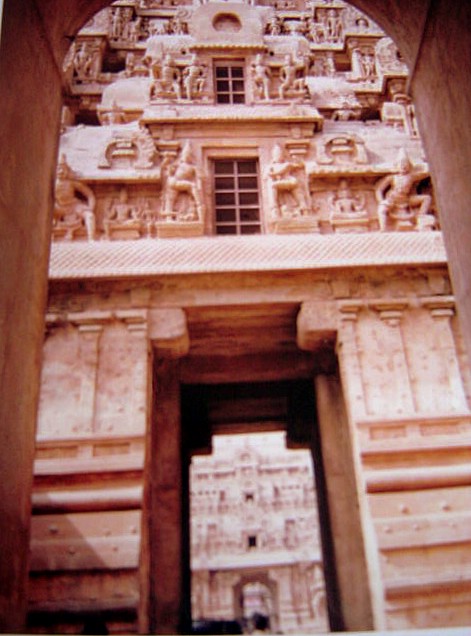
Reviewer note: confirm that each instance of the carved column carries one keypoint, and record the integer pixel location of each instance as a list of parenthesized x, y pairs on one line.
[(170, 340), (442, 310), (349, 358), (402, 400)]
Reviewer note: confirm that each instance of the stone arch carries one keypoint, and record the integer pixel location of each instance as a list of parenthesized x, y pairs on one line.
[(434, 38)]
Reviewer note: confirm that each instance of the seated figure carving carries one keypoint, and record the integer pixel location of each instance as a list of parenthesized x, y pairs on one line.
[(400, 206), (74, 205), (344, 203), (167, 78), (121, 218), (182, 199), (286, 182)]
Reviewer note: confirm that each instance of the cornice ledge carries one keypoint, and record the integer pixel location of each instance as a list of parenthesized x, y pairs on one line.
[(203, 255)]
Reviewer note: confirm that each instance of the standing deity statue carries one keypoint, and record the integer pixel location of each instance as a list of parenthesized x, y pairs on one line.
[(72, 213), (293, 77), (116, 24), (333, 26), (194, 77), (286, 183), (261, 78), (368, 66), (182, 200), (400, 206)]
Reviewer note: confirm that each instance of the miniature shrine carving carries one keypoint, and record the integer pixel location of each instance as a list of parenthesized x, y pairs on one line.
[(400, 207), (342, 149), (129, 148), (74, 206)]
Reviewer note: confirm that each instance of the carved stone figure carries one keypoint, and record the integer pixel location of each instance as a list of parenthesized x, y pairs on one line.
[(287, 185), (116, 24), (122, 219), (74, 206), (293, 78), (194, 77), (274, 26), (87, 61), (344, 203), (261, 78), (334, 27), (167, 78), (182, 198), (400, 206), (367, 66)]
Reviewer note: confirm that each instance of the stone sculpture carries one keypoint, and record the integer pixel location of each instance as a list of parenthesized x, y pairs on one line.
[(74, 206), (286, 178), (167, 76), (121, 219), (261, 78), (293, 78), (182, 197), (193, 78), (400, 206), (344, 203)]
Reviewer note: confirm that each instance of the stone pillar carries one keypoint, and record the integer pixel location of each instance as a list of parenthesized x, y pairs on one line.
[(170, 340), (29, 121), (335, 449)]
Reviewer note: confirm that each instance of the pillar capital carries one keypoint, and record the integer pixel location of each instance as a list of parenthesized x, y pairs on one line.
[(390, 310), (316, 324), (168, 332)]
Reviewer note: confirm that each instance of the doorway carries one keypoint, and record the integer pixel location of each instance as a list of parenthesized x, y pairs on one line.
[(258, 554)]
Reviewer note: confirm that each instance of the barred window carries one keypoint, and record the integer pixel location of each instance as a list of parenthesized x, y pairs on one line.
[(229, 81), (236, 194)]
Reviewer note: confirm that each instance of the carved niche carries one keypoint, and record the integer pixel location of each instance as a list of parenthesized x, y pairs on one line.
[(335, 150), (129, 149)]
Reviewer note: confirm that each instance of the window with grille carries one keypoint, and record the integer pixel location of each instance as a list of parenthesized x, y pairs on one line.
[(229, 80), (237, 209)]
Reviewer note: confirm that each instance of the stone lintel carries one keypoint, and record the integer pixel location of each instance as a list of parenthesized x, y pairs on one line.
[(316, 325), (168, 332)]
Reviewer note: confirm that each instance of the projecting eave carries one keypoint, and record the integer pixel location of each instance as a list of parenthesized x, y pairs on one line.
[(216, 113), (209, 254)]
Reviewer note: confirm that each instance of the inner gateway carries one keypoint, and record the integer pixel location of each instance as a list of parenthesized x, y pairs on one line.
[(256, 549), (256, 554)]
